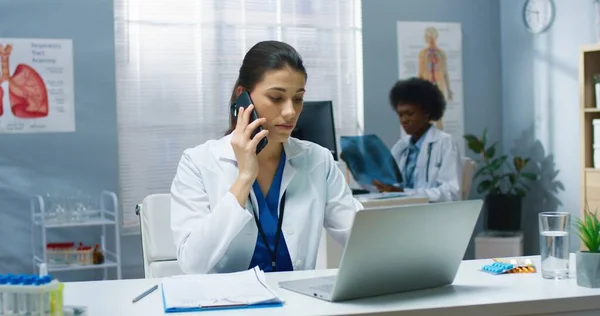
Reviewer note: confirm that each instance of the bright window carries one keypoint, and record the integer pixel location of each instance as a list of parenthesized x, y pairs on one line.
[(177, 62)]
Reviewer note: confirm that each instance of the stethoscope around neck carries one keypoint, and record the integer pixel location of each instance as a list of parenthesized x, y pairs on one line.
[(429, 149)]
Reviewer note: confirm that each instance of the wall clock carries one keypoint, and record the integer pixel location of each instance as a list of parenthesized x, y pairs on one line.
[(538, 15)]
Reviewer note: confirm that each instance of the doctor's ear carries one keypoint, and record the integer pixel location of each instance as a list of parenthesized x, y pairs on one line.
[(238, 90)]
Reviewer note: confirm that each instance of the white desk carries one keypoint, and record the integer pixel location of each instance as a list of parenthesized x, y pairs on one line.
[(473, 293)]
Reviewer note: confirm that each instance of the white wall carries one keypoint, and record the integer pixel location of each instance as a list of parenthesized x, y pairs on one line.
[(540, 101)]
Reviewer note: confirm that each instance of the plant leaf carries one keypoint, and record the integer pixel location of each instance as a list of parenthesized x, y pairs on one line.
[(490, 152), (512, 178), (530, 176), (498, 162), (474, 144), (470, 138), (496, 183), (596, 230), (482, 171), (484, 186), (588, 230), (520, 192), (484, 137), (519, 163), (524, 186)]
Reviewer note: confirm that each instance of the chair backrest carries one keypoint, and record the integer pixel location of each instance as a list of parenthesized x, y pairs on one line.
[(468, 170), (158, 249)]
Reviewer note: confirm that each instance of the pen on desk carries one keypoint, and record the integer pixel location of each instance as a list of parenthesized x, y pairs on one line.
[(141, 296)]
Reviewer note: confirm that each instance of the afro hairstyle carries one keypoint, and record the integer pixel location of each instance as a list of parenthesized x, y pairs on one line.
[(421, 93)]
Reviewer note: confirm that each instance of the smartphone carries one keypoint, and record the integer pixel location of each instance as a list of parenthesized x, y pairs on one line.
[(243, 101)]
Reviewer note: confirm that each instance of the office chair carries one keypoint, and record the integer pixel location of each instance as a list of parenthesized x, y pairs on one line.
[(158, 249), (468, 170)]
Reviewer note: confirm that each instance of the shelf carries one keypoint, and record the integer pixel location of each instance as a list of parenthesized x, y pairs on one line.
[(589, 67), (97, 222), (73, 267), (590, 48), (588, 140), (95, 218), (105, 216)]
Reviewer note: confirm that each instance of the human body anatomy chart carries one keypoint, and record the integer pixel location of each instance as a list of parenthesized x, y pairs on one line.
[(36, 86), (433, 51)]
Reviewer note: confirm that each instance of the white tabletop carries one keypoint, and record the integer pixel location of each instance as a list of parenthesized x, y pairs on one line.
[(472, 293)]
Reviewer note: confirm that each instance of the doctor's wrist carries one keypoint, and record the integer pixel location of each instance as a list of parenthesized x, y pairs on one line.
[(241, 189), (245, 180)]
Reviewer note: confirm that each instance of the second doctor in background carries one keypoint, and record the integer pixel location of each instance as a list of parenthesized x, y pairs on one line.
[(231, 209), (427, 157)]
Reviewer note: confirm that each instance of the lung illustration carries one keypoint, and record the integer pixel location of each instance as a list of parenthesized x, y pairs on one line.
[(26, 89), (1, 101)]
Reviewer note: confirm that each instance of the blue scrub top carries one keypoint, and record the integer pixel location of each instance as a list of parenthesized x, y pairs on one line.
[(268, 209), (414, 148)]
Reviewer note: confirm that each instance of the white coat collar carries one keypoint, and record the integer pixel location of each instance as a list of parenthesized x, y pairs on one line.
[(293, 147), (431, 136)]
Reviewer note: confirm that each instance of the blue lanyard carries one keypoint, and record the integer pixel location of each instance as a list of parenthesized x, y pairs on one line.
[(262, 234)]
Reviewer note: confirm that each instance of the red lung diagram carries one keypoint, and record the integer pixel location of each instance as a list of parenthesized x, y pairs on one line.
[(1, 102), (26, 89)]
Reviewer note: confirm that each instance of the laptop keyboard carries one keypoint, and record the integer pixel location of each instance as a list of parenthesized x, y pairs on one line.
[(324, 284), (322, 288)]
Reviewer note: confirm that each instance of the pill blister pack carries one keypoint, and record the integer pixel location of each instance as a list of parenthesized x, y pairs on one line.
[(509, 266)]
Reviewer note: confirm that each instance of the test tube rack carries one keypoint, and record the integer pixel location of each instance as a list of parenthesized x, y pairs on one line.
[(37, 298)]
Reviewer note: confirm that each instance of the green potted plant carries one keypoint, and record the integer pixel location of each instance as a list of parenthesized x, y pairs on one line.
[(587, 262), (503, 181)]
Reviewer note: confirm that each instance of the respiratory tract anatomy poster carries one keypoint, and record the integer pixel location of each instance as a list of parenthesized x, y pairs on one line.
[(36, 85)]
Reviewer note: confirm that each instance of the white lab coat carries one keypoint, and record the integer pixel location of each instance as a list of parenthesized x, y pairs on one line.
[(438, 171), (214, 234)]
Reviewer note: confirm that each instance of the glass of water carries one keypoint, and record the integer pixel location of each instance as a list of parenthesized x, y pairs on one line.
[(554, 244)]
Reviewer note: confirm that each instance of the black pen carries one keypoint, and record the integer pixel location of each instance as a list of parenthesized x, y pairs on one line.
[(141, 296)]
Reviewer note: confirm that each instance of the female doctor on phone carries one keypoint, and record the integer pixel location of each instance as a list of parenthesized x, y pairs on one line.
[(233, 209), (427, 157)]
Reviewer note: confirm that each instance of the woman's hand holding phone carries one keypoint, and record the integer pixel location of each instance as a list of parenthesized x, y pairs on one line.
[(244, 147)]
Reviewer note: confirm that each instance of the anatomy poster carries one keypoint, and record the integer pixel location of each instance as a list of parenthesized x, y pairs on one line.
[(433, 51), (36, 86)]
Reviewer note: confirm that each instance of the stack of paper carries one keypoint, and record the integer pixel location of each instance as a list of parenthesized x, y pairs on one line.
[(218, 291)]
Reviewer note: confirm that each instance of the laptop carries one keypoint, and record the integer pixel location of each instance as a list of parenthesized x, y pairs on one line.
[(395, 249)]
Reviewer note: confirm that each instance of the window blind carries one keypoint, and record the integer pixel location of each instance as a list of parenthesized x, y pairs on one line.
[(177, 62)]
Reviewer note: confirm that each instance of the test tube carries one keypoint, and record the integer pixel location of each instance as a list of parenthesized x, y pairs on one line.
[(22, 297), (3, 282), (35, 297), (43, 269), (7, 298), (25, 298), (13, 298), (45, 280)]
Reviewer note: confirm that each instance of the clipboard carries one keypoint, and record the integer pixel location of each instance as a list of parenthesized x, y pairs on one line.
[(216, 307), (209, 292)]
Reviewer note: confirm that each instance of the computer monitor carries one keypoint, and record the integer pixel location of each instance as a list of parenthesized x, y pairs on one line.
[(316, 125)]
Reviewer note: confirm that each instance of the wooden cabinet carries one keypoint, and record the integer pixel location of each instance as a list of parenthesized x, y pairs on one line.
[(589, 66), (592, 189)]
